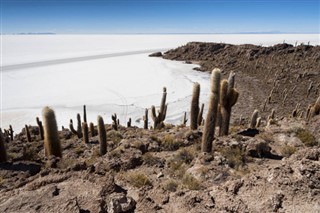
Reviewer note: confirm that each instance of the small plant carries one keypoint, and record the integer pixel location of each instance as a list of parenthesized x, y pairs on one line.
[(287, 151), (150, 160), (306, 137), (170, 185), (169, 143), (138, 180), (236, 157), (191, 182), (114, 136), (185, 155)]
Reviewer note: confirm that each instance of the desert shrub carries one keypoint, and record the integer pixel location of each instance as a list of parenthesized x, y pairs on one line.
[(137, 179), (170, 185), (169, 143), (185, 155), (191, 182), (150, 160), (287, 151), (116, 153), (306, 137), (176, 168), (235, 156), (114, 136), (266, 137), (155, 138), (30, 153)]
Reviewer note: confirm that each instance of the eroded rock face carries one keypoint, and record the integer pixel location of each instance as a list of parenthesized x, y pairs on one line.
[(120, 203)]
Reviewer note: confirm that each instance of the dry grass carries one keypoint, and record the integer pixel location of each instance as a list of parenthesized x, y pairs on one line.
[(287, 151), (137, 179), (235, 156), (169, 143), (171, 185), (306, 137), (191, 182)]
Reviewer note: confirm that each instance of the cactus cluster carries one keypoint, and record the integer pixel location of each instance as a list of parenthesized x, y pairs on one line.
[(77, 132), (228, 98), (210, 122), (3, 151), (115, 122), (159, 118)]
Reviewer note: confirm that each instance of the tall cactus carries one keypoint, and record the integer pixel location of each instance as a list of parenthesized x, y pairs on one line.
[(200, 118), (85, 131), (84, 114), (102, 136), (209, 127), (158, 119), (115, 121), (228, 98), (28, 133), (79, 126), (3, 151), (51, 136), (145, 119), (40, 128), (92, 131), (195, 106)]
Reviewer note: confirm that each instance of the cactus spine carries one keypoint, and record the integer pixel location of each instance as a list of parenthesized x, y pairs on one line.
[(209, 126), (102, 136), (254, 117), (228, 98), (158, 119), (40, 128), (195, 106), (85, 132), (28, 133), (3, 151), (51, 137)]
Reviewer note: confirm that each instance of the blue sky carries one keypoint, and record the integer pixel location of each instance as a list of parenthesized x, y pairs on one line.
[(160, 16)]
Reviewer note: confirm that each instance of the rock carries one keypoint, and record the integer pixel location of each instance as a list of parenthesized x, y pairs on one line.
[(120, 203), (156, 54), (258, 149), (160, 175)]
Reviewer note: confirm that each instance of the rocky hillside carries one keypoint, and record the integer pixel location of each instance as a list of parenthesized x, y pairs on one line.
[(288, 74)]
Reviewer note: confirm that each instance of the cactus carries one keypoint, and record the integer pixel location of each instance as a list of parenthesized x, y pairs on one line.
[(145, 119), (195, 106), (28, 133), (85, 132), (102, 136), (258, 122), (40, 128), (92, 130), (129, 123), (51, 137), (72, 128), (209, 126), (79, 127), (158, 119), (200, 118), (228, 98), (184, 119), (315, 109), (254, 118), (84, 114), (3, 151), (115, 121), (11, 132)]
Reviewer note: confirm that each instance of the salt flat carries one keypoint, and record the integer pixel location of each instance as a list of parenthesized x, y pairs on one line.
[(125, 84)]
